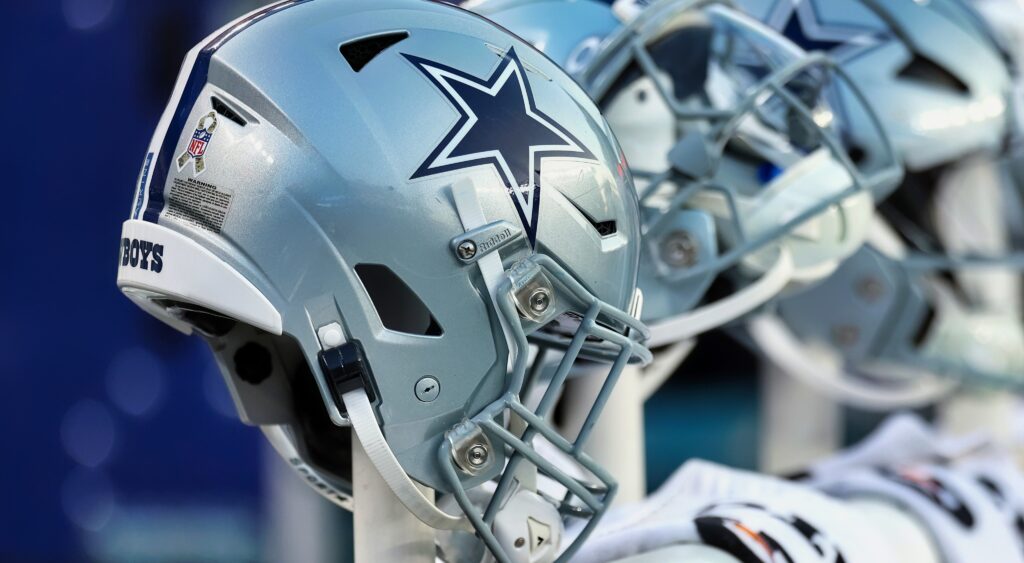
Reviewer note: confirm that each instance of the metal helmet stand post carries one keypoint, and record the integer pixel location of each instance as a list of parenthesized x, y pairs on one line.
[(383, 528), (798, 424), (617, 440)]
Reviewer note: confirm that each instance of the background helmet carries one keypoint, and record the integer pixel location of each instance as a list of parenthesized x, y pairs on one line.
[(941, 85), (368, 208), (744, 171)]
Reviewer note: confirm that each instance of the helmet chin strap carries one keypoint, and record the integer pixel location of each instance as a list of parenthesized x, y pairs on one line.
[(279, 438), (725, 310), (825, 373), (364, 422)]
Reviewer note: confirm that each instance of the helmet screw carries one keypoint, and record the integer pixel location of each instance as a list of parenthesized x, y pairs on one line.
[(520, 542), (540, 300), (477, 455), (870, 289), (679, 249), (466, 249), (845, 335)]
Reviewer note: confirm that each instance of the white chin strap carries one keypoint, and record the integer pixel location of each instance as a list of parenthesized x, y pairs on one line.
[(725, 310), (823, 371), (364, 422)]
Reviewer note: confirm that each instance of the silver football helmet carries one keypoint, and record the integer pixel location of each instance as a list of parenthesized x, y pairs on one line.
[(372, 210), (745, 172), (889, 328)]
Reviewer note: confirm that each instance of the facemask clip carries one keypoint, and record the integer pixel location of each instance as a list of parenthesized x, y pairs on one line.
[(472, 451)]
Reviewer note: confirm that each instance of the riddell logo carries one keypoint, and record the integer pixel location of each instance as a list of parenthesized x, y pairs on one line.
[(142, 254)]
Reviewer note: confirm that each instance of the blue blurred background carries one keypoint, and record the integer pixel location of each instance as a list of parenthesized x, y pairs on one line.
[(121, 441)]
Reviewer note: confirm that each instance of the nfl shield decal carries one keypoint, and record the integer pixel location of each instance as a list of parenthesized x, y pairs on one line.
[(196, 150)]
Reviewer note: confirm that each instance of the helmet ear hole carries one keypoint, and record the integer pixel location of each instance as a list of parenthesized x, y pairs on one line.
[(253, 363), (203, 319), (398, 307)]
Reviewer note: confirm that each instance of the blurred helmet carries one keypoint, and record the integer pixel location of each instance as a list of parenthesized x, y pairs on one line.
[(370, 209), (745, 172), (934, 299), (942, 81)]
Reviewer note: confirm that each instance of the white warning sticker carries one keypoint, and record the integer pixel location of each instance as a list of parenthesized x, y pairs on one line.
[(198, 203)]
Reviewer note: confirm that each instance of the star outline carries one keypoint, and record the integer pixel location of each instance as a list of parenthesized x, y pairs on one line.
[(526, 199)]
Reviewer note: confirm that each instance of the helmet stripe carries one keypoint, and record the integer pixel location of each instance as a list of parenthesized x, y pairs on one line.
[(197, 79)]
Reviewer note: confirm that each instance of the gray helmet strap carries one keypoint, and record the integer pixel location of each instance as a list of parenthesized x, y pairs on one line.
[(467, 205)]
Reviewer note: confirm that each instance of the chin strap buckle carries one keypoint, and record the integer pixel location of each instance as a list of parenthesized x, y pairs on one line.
[(345, 368)]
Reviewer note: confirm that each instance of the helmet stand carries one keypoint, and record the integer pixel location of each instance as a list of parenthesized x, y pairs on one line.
[(383, 529), (617, 440), (791, 439)]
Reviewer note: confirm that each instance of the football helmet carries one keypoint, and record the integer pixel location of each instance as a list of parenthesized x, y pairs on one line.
[(745, 173), (889, 328), (372, 211)]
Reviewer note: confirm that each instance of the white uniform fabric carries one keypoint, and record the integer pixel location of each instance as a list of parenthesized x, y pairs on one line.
[(752, 517), (900, 439), (963, 520), (902, 464), (1001, 477)]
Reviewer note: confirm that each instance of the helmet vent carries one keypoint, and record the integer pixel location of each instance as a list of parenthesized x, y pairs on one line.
[(360, 52), (925, 328), (205, 320), (398, 307), (222, 108), (927, 71), (603, 228)]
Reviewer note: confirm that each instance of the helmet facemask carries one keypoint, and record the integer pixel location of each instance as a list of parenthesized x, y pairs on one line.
[(550, 320), (936, 292), (745, 165)]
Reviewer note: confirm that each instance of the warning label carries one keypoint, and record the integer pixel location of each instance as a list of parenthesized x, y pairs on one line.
[(198, 203)]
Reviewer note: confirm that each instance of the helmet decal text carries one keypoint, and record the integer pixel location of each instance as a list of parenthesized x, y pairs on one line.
[(142, 254)]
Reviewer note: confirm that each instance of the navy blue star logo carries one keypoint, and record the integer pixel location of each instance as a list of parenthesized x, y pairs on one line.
[(800, 22), (499, 125), (794, 31)]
